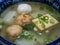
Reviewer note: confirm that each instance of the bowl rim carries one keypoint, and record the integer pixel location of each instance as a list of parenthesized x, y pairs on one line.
[(4, 4)]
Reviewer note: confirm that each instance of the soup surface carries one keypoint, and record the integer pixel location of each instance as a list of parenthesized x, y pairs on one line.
[(30, 34)]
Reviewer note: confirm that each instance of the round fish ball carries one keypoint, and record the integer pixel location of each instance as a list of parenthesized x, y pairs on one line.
[(12, 32), (23, 18), (24, 8)]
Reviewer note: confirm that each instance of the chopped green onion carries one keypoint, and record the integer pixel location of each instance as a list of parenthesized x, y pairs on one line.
[(46, 21), (14, 16), (2, 23), (30, 37), (41, 8), (47, 40), (52, 21), (31, 27), (27, 35), (46, 17), (42, 23), (39, 15), (38, 32), (1, 26)]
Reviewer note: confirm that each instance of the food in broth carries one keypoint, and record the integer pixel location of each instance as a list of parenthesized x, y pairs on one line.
[(24, 23), (44, 22), (13, 31)]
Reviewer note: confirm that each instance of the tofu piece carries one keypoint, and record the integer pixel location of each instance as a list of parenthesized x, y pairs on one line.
[(42, 25)]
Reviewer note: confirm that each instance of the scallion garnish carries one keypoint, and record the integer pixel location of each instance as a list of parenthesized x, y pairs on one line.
[(52, 21), (45, 19), (27, 35), (47, 40), (2, 23), (39, 15), (41, 8), (42, 23)]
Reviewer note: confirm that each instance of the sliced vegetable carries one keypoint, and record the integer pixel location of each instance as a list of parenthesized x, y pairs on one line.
[(45, 19), (42, 23), (26, 35), (52, 21)]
